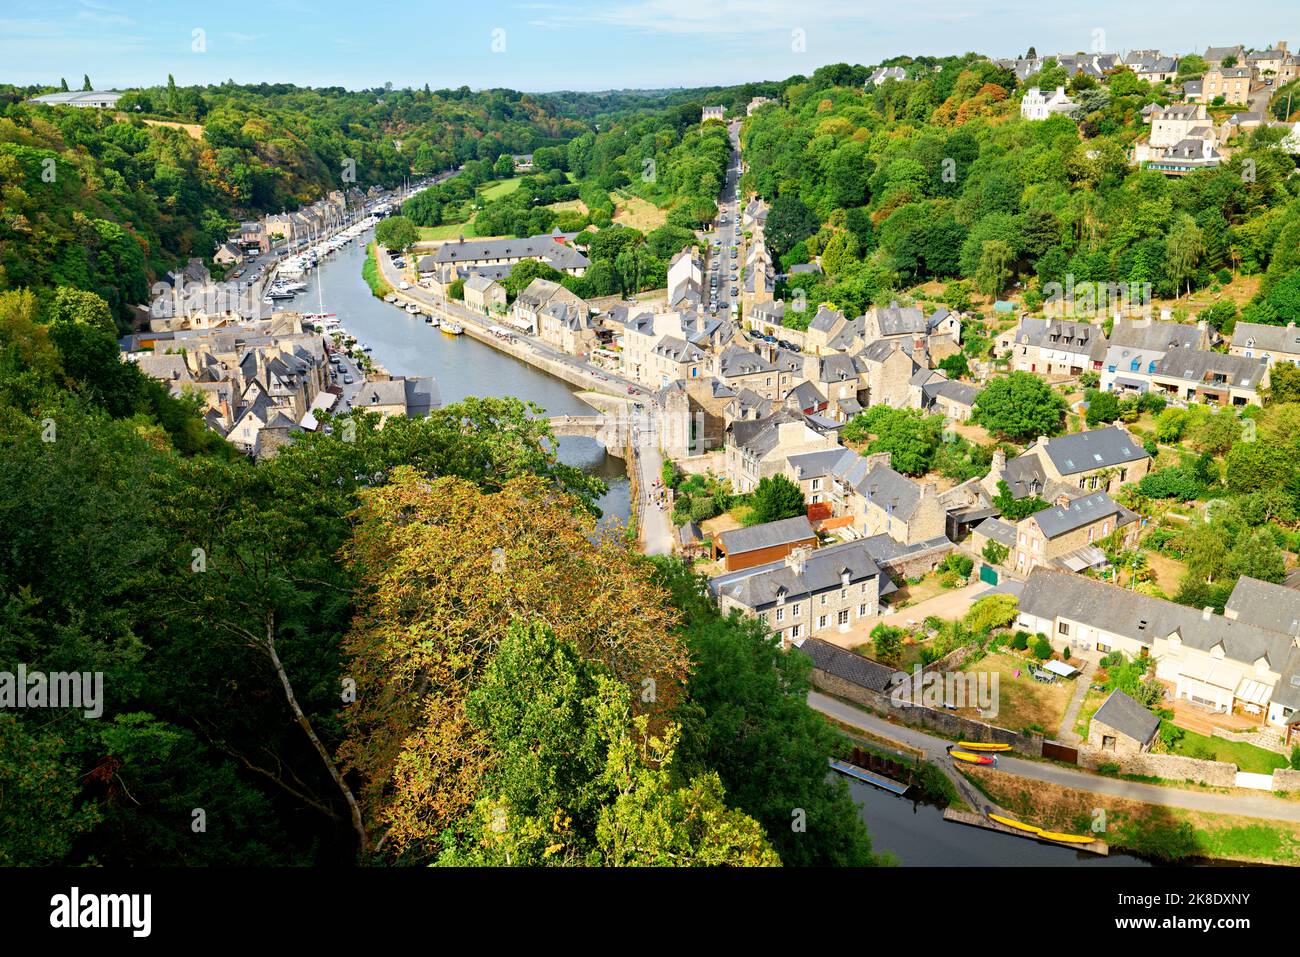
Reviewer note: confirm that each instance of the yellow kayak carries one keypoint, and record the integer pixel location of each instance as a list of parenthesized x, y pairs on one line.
[(982, 746), (1018, 825), (1067, 838), (973, 758)]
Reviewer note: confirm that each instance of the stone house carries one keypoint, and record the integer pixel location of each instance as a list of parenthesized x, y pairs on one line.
[(484, 295), (1270, 343), (1078, 463), (1066, 535), (808, 593), (1122, 726), (757, 449)]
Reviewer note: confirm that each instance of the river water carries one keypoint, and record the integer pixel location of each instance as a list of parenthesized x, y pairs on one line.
[(463, 366), (918, 836)]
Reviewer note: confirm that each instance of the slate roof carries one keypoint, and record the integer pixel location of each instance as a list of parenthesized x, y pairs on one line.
[(757, 588), (1095, 449), (811, 465), (1196, 365), (845, 664), (1081, 512), (1270, 606), (999, 531), (806, 395), (892, 491), (534, 247), (736, 360), (955, 391), (1051, 594), (825, 319), (768, 535), (1270, 338), (1126, 716), (896, 320)]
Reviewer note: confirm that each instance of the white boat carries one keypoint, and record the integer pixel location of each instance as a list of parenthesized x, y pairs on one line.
[(391, 297), (412, 308), (431, 320), (452, 328)]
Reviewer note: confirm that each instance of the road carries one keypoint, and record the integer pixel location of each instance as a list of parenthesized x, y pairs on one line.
[(654, 525), (935, 750), (722, 243)]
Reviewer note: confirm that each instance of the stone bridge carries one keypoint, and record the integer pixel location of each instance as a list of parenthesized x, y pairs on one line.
[(592, 426)]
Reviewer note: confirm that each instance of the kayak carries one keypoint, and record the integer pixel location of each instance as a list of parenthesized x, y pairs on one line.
[(973, 758), (1018, 825), (1067, 838), (982, 746)]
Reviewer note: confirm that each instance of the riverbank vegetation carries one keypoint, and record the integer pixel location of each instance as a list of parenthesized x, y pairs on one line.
[(370, 273)]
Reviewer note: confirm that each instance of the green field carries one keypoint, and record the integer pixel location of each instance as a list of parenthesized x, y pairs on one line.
[(447, 231), (500, 188)]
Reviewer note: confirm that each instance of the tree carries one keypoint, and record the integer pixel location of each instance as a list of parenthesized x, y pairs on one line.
[(910, 436), (995, 611), (1284, 383), (789, 221), (955, 366), (887, 643), (440, 559), (994, 269), (746, 706), (504, 166), (776, 498), (1020, 406), (995, 553), (1014, 509), (63, 84), (85, 83), (397, 232), (576, 779), (1103, 407), (1183, 250)]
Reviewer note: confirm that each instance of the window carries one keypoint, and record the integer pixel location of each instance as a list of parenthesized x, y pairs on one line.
[(794, 631), (843, 617), (862, 610), (823, 599), (1063, 628), (816, 485), (794, 611), (1104, 649), (780, 614), (821, 621)]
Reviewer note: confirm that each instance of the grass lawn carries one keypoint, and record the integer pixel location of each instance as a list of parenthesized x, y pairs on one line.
[(1155, 831), (1092, 700), (447, 231), (1022, 702), (1245, 756), (504, 187), (636, 212), (909, 594)]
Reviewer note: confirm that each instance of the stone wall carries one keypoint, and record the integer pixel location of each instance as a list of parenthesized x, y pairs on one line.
[(1285, 779), (1171, 767), (943, 723), (1268, 740), (917, 564)]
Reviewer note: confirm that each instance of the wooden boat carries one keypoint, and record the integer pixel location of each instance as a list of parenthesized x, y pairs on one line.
[(1067, 838), (982, 746), (1018, 825), (969, 758)]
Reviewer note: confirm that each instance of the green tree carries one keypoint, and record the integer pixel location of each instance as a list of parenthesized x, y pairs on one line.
[(397, 233), (886, 643), (1020, 406), (776, 498)]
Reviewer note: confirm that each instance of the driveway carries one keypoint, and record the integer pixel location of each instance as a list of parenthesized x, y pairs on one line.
[(934, 749)]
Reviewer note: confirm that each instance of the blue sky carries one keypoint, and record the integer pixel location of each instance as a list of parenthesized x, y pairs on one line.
[(583, 44)]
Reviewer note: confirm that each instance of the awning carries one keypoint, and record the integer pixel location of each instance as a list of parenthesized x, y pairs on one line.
[(1213, 672), (1253, 692), (1132, 383), (1089, 556), (1060, 668)]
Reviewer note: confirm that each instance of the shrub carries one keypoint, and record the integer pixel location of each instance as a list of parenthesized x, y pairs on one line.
[(1042, 649)]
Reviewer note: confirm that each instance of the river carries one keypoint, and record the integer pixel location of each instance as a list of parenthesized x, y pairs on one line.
[(463, 366), (918, 836)]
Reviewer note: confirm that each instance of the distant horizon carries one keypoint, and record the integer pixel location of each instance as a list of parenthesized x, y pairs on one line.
[(547, 48)]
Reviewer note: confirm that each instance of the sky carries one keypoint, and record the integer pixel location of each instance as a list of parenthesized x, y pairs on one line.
[(578, 45)]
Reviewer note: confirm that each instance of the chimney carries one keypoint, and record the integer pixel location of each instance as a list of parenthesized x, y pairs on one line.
[(1062, 501), (1206, 613), (999, 461), (797, 559), (1042, 440)]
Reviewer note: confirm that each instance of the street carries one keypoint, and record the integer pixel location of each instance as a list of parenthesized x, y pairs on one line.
[(935, 751)]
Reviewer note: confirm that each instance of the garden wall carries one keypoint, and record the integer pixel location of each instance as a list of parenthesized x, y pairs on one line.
[(943, 723), (1286, 779), (916, 564), (1171, 767)]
